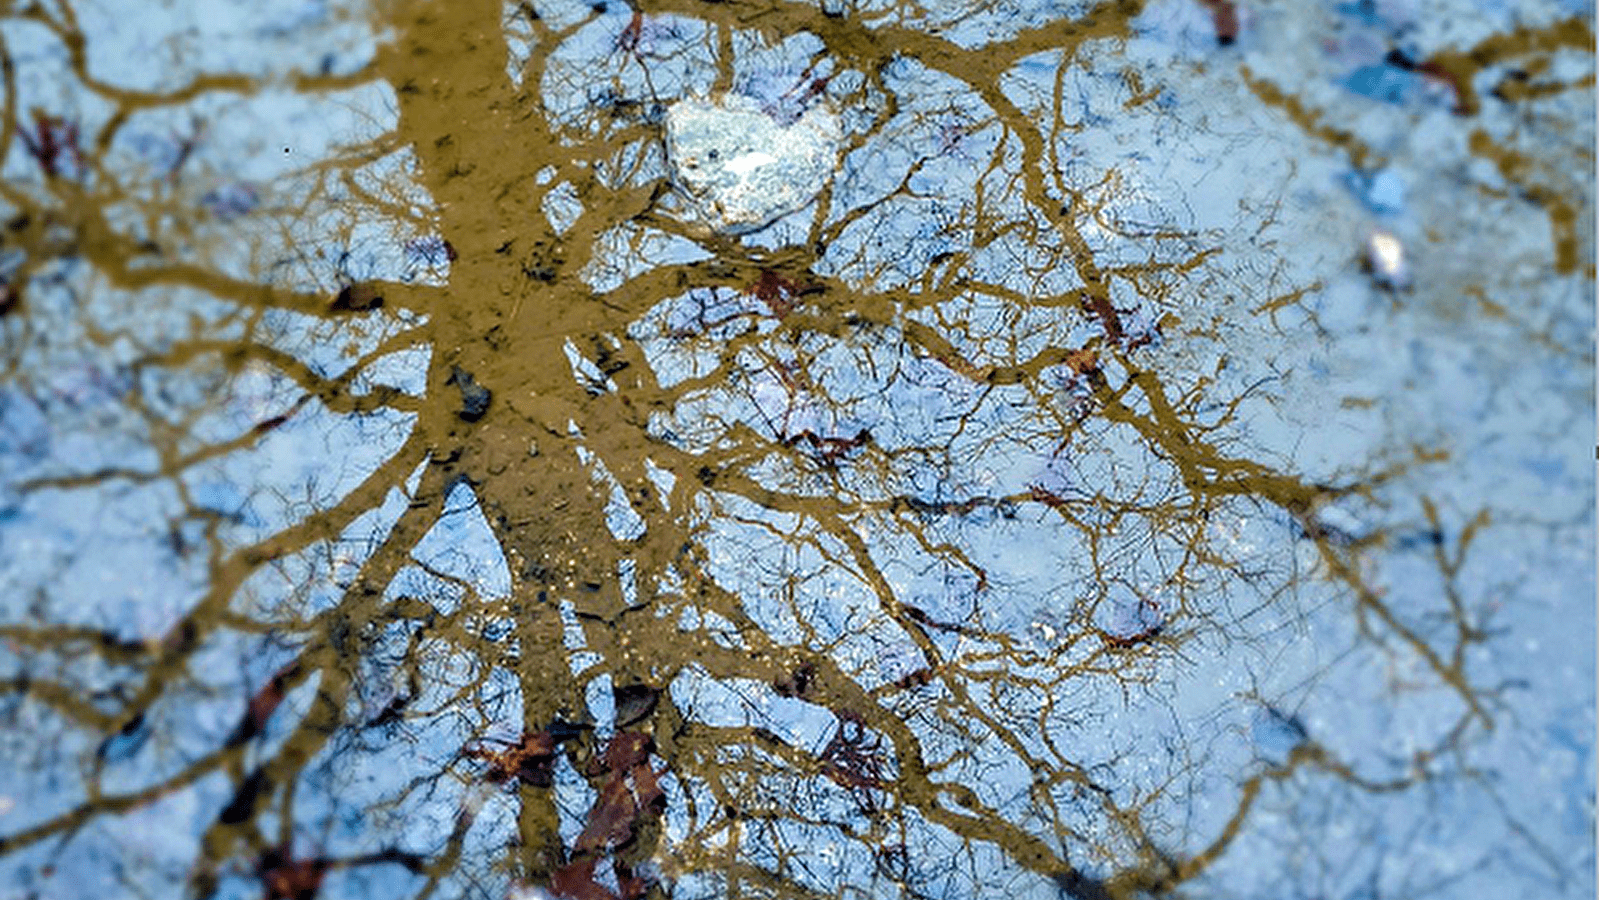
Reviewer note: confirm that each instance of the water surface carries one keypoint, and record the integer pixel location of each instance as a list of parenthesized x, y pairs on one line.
[(1156, 464)]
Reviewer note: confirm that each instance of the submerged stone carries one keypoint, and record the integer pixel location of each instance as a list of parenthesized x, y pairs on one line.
[(739, 168), (475, 397)]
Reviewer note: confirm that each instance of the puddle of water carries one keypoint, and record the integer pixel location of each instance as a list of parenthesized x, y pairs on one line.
[(402, 491)]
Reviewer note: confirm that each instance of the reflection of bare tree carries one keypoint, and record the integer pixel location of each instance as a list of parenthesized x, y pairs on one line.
[(782, 473)]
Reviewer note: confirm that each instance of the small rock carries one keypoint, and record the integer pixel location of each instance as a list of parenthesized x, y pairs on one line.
[(739, 168), (634, 703), (474, 397), (1385, 259)]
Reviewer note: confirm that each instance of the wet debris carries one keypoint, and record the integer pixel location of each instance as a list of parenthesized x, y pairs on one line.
[(1049, 498), (272, 423), (797, 682), (358, 297), (828, 450), (474, 397), (1082, 361), (1133, 621), (634, 704), (430, 251), (577, 881), (1433, 72), (628, 792), (853, 759)]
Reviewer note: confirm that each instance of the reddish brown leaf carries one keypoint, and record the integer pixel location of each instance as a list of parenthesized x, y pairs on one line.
[(1225, 14), (611, 819), (1465, 99), (1046, 496), (628, 749), (530, 760), (829, 450), (647, 791), (633, 887), (779, 293), (852, 758), (1083, 361), (53, 141), (264, 704), (629, 790), (286, 878), (627, 41), (575, 881), (1101, 307), (266, 425)]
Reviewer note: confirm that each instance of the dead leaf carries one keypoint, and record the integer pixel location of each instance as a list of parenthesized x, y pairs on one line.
[(263, 705), (575, 881), (530, 760)]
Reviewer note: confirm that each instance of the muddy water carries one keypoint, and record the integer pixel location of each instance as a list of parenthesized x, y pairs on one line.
[(404, 493)]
